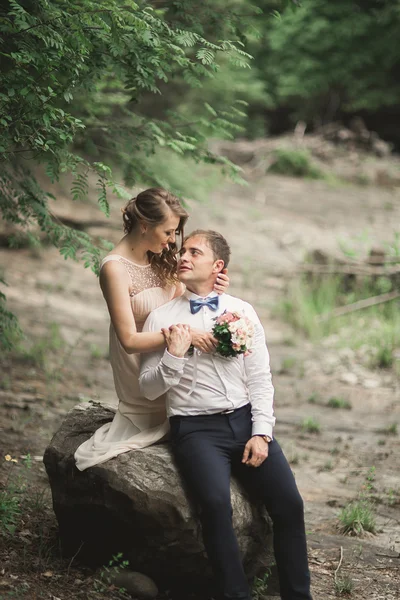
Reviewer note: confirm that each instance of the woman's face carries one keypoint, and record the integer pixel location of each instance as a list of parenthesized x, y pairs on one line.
[(160, 236)]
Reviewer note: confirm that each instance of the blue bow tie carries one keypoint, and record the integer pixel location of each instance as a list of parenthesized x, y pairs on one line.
[(212, 303)]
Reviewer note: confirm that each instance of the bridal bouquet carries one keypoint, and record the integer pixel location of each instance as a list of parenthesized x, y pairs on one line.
[(234, 333)]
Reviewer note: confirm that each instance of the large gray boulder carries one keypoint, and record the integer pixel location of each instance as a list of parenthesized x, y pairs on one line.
[(136, 504)]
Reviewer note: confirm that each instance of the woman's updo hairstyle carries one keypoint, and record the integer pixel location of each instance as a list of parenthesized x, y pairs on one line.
[(151, 206)]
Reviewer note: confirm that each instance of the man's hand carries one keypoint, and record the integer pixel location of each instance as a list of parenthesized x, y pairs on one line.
[(203, 340), (255, 451), (178, 339)]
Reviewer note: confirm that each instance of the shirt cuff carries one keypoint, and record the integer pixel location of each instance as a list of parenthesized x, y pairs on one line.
[(173, 362), (262, 428)]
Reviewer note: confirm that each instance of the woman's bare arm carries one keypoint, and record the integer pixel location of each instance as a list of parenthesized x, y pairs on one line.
[(114, 282)]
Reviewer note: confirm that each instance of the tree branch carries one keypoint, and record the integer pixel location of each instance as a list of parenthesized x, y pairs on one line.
[(45, 23), (366, 303)]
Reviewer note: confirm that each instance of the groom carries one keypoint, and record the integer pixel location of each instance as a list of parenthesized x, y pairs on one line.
[(221, 418)]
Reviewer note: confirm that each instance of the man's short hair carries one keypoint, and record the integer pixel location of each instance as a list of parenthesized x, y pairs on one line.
[(216, 242)]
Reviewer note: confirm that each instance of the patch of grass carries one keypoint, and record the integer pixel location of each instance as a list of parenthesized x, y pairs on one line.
[(295, 163), (96, 353), (310, 425), (337, 402), (287, 364), (5, 383), (50, 287), (383, 358), (11, 495), (9, 510), (373, 333), (306, 300), (293, 456), (36, 352), (108, 573), (393, 497), (391, 429), (357, 517), (260, 586), (344, 586), (328, 466), (314, 398)]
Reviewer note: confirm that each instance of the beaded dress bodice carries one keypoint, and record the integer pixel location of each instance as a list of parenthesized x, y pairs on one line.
[(147, 291), (142, 276)]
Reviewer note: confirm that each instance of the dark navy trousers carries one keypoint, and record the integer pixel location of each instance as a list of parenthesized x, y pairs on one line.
[(207, 449)]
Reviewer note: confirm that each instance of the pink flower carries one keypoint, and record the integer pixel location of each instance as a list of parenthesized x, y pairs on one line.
[(226, 317)]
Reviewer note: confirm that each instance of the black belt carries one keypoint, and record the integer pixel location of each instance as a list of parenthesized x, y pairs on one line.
[(232, 410), (228, 411)]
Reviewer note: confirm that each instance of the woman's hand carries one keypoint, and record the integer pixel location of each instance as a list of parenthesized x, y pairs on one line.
[(203, 340), (178, 339), (222, 283)]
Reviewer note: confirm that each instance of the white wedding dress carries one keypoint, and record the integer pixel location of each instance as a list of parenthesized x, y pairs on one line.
[(138, 422)]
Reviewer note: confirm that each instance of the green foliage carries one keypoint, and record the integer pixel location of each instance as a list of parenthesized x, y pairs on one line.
[(9, 510), (316, 61), (9, 328), (12, 494), (36, 353), (344, 585), (108, 572), (76, 79), (310, 425), (260, 586), (288, 363), (390, 429), (357, 517), (295, 163), (360, 246), (335, 402), (328, 466), (373, 332), (306, 300), (314, 398)]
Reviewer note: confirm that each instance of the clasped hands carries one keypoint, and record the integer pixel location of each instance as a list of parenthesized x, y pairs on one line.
[(180, 337)]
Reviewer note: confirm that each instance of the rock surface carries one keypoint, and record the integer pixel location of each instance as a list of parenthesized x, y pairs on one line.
[(136, 584), (135, 504)]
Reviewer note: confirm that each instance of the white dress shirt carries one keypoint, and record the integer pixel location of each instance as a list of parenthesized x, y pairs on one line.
[(209, 383)]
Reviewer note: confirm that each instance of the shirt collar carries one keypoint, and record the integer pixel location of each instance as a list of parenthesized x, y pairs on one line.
[(192, 296)]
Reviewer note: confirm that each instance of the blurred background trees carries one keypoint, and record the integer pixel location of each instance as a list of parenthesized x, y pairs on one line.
[(132, 93)]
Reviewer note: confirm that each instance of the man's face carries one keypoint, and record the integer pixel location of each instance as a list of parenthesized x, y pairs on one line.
[(197, 263)]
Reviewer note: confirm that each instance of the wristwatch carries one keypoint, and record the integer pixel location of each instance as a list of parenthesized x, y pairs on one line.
[(266, 438)]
